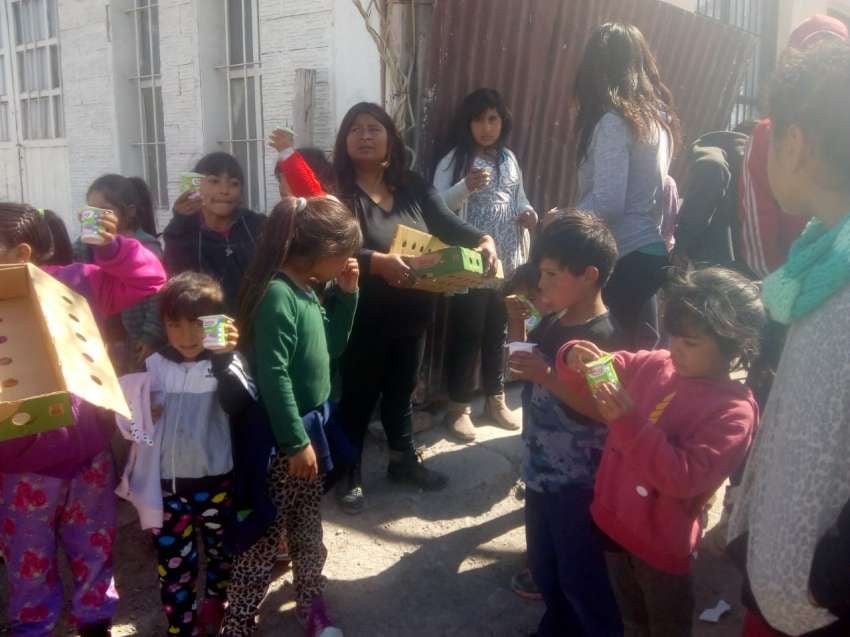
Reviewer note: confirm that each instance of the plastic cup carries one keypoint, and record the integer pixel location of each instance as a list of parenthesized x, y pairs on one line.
[(215, 335), (191, 182), (520, 346), (90, 225), (513, 348), (601, 371)]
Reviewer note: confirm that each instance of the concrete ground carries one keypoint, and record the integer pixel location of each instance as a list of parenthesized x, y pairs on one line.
[(415, 564)]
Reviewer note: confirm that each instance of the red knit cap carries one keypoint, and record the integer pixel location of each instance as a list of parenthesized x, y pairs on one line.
[(300, 177), (818, 27)]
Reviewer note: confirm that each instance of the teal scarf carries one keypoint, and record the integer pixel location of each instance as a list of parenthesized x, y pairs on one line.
[(818, 266)]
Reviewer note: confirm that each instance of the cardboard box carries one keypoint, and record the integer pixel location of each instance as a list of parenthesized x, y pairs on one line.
[(409, 242), (50, 348), (439, 267)]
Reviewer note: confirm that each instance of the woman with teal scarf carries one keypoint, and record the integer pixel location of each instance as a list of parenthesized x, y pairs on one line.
[(796, 482)]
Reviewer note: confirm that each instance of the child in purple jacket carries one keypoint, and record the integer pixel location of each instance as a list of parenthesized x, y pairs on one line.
[(56, 488)]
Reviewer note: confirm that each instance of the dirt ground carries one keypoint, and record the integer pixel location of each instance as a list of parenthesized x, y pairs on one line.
[(414, 564)]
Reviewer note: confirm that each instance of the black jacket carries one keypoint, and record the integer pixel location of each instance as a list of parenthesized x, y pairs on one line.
[(708, 230), (191, 246)]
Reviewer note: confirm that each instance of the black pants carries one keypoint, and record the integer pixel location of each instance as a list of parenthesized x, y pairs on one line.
[(568, 565), (381, 362), (200, 506), (630, 297), (652, 603), (478, 324)]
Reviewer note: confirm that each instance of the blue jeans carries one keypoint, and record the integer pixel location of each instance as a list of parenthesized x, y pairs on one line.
[(568, 565)]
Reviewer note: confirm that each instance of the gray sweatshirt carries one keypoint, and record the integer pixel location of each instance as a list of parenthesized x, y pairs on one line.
[(796, 481), (621, 180)]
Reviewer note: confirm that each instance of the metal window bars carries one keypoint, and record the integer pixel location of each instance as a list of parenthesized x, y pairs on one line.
[(5, 74), (148, 82), (757, 17), (244, 96), (38, 70)]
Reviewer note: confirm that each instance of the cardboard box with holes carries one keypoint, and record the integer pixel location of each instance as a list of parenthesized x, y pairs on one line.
[(50, 348), (439, 267)]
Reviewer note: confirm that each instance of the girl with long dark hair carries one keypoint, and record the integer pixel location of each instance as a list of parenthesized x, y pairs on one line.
[(137, 333), (386, 345), (291, 340), (481, 180), (626, 128)]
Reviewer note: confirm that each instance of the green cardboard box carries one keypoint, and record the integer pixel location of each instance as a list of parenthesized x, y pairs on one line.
[(438, 267), (50, 348), (448, 270)]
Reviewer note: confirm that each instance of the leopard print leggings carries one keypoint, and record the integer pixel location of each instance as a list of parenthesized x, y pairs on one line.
[(298, 515)]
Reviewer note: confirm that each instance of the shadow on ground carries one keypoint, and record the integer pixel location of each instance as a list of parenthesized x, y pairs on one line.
[(412, 564)]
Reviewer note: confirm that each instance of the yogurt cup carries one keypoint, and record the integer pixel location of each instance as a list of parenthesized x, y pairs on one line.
[(601, 371), (191, 182), (90, 225), (513, 348), (520, 346), (215, 335)]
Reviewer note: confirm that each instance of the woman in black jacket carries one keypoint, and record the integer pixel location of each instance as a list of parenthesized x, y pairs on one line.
[(211, 232), (387, 340)]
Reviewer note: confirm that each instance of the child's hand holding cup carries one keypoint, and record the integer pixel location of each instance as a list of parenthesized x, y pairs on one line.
[(220, 333), (517, 349), (189, 201), (99, 226), (282, 138), (477, 179), (582, 353)]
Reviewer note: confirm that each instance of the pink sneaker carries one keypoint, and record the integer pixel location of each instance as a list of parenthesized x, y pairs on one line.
[(211, 616), (318, 623)]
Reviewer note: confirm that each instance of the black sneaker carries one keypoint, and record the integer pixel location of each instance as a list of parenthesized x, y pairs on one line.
[(523, 585), (349, 492), (96, 630), (407, 468)]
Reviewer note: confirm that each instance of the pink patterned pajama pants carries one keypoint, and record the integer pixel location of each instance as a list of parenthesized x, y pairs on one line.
[(40, 514)]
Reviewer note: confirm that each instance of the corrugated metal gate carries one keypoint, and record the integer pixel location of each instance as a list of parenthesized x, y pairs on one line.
[(530, 51)]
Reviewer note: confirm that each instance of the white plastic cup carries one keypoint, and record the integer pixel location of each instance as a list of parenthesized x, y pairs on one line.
[(513, 348), (215, 335), (90, 226), (520, 346)]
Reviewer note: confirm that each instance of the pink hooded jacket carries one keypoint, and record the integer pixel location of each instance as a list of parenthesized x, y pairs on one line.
[(123, 274)]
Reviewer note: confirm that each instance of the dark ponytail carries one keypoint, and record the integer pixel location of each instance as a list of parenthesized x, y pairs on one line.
[(299, 232), (63, 249), (21, 223), (144, 206)]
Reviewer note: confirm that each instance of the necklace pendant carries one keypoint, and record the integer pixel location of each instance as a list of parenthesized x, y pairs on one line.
[(228, 251)]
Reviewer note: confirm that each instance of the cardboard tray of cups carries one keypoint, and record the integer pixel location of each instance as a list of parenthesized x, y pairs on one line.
[(439, 267), (50, 348)]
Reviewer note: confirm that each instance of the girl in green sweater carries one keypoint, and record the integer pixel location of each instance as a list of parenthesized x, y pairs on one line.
[(292, 340)]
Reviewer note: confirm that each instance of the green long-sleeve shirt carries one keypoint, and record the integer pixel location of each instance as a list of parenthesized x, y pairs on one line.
[(294, 342)]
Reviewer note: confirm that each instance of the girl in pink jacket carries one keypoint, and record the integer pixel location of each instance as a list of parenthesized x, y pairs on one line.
[(678, 426), (56, 488)]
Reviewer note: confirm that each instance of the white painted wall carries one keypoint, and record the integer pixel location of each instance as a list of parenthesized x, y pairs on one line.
[(325, 35), (101, 105), (88, 96), (356, 63), (10, 176), (294, 34), (181, 87), (690, 5)]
